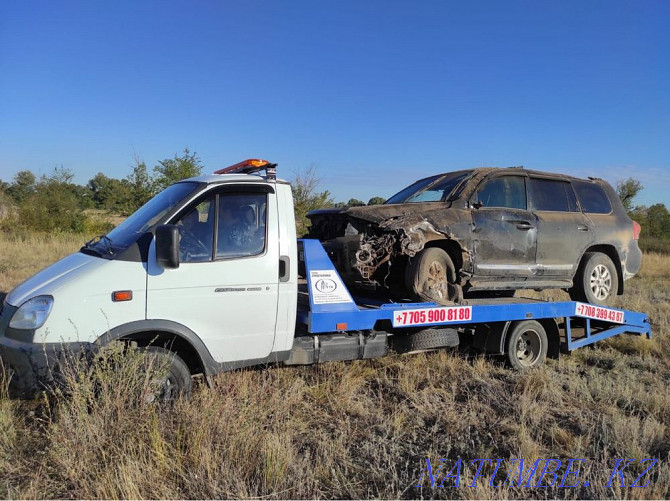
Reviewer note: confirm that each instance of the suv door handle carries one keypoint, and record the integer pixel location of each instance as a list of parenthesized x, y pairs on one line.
[(521, 224), (582, 227), (525, 226)]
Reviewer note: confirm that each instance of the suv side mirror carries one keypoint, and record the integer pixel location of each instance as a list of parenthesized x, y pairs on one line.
[(167, 246), (478, 205)]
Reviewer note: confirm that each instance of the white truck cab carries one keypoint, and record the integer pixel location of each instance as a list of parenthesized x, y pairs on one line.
[(208, 265)]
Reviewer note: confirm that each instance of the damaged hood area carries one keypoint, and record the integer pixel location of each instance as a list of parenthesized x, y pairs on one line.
[(434, 217)]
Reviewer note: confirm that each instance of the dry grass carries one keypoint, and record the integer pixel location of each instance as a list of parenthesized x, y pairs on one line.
[(348, 430)]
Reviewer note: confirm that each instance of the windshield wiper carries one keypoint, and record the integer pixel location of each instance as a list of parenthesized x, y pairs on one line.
[(100, 239)]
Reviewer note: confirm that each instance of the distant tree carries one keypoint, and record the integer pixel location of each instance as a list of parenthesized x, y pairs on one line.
[(306, 197), (55, 204), (175, 169), (141, 186), (5, 200), (628, 189), (658, 221), (376, 201), (23, 186), (111, 194), (354, 202)]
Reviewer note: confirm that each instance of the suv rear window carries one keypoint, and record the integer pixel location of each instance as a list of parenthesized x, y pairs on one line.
[(548, 195), (592, 197)]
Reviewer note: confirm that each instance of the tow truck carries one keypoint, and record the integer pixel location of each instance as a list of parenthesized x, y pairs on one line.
[(210, 276)]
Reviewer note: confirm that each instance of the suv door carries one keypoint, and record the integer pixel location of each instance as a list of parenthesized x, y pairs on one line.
[(226, 287), (564, 232), (504, 230)]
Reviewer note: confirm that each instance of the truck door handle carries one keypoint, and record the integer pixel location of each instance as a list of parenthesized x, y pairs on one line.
[(284, 268), (582, 227)]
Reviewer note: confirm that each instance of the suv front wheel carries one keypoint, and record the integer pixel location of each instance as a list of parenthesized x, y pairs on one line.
[(431, 276), (597, 280)]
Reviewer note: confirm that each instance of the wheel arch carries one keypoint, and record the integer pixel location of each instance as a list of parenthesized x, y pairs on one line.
[(452, 248), (611, 252), (172, 336), (497, 336)]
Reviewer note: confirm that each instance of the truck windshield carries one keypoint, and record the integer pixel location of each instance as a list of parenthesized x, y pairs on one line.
[(127, 233), (430, 189)]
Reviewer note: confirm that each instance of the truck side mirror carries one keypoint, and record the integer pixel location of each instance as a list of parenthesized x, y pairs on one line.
[(167, 246)]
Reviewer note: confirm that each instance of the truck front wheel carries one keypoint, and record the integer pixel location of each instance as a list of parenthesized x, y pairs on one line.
[(172, 376)]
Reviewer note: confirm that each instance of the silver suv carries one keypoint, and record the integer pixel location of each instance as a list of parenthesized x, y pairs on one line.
[(486, 230)]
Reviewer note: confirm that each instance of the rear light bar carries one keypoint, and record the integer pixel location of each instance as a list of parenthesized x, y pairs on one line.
[(637, 229), (251, 166)]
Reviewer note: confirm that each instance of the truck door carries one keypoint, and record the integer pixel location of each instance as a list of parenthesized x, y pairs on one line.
[(564, 232), (226, 287), (504, 230)]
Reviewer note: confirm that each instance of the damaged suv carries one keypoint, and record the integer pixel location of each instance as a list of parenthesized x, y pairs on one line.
[(487, 231)]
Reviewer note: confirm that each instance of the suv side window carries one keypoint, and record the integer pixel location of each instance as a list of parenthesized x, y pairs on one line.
[(503, 191), (548, 195), (592, 197)]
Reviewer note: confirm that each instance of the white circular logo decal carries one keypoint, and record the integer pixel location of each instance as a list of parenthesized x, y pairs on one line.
[(325, 285)]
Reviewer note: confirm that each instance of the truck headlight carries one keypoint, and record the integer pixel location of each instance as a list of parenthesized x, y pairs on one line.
[(32, 314)]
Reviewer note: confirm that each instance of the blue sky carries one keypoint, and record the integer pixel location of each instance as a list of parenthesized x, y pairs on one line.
[(373, 94)]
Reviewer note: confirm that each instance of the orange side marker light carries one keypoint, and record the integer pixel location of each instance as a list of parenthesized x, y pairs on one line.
[(122, 296)]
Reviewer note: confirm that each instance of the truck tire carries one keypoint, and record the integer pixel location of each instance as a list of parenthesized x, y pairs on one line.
[(432, 277), (526, 345), (176, 382), (596, 281), (423, 340)]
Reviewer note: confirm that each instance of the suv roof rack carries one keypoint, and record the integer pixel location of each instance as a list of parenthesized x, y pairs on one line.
[(251, 166)]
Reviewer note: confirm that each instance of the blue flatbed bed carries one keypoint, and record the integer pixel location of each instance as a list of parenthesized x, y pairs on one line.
[(327, 306)]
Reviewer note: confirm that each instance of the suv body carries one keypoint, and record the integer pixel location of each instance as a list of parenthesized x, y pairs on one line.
[(492, 229)]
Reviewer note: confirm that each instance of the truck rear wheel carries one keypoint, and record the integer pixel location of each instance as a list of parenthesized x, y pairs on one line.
[(526, 345), (173, 376)]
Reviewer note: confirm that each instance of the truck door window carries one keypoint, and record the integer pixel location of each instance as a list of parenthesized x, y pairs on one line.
[(196, 228), (241, 225), (504, 191)]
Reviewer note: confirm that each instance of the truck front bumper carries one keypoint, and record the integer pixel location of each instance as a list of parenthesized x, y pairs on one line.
[(29, 367), (34, 367)]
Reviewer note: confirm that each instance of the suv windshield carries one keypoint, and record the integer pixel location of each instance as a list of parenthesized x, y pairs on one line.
[(127, 233), (430, 189)]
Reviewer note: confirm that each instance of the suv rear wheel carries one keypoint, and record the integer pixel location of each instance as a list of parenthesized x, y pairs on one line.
[(597, 280)]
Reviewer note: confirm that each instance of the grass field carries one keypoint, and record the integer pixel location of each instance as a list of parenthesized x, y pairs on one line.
[(351, 430)]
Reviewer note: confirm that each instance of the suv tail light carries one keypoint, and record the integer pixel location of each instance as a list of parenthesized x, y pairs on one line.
[(636, 230)]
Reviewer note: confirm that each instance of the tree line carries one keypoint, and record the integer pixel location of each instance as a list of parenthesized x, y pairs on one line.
[(654, 220), (53, 202)]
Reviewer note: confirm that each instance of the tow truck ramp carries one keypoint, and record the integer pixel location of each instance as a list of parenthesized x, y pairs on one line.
[(334, 325)]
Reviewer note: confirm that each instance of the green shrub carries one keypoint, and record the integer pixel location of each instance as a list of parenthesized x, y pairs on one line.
[(652, 244), (53, 207)]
